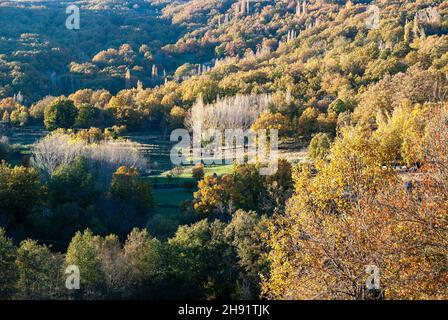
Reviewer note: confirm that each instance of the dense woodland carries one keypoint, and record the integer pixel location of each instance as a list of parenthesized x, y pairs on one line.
[(370, 105)]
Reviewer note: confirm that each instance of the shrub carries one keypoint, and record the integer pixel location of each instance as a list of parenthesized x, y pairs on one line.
[(319, 146)]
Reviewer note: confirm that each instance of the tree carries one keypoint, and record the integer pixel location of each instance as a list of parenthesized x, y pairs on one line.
[(247, 187), (400, 136), (354, 212), (244, 189), (80, 97), (132, 199), (319, 146), (40, 272), (333, 243), (124, 110), (19, 117), (106, 157), (126, 187), (115, 267), (419, 213), (144, 256), (84, 252), (212, 195), (269, 121), (201, 261), (61, 113), (8, 269), (71, 194), (177, 117), (5, 117), (103, 158), (277, 189), (414, 86), (184, 71), (308, 121), (239, 112), (54, 150), (37, 110), (339, 106), (245, 233), (88, 116), (204, 88), (72, 183), (20, 193)]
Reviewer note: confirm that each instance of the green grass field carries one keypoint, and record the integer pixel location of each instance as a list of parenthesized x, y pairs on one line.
[(171, 196), (168, 177), (219, 170), (168, 200)]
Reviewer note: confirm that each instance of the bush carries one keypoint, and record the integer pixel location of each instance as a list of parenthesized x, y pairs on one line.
[(319, 146)]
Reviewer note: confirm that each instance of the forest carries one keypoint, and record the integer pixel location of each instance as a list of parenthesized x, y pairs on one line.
[(356, 89)]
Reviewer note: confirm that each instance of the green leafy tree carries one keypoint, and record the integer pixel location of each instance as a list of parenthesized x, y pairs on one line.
[(245, 233), (61, 113), (247, 187), (8, 269), (72, 192), (201, 262), (319, 146), (72, 183), (145, 258), (40, 271), (84, 252), (88, 116), (203, 88), (339, 106)]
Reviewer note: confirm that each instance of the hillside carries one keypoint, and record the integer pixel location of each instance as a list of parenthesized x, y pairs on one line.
[(355, 208)]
